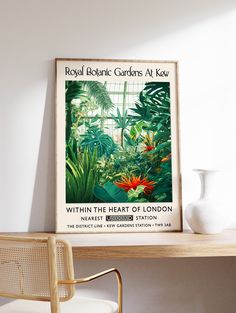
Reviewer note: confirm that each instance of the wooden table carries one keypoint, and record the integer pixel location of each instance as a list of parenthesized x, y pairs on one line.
[(147, 245)]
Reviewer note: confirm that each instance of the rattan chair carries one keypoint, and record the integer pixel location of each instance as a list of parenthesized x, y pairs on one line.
[(39, 274)]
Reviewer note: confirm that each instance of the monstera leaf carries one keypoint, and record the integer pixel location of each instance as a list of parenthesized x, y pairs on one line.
[(95, 138), (142, 111)]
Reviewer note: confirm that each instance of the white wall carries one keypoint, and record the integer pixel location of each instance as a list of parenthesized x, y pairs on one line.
[(198, 33)]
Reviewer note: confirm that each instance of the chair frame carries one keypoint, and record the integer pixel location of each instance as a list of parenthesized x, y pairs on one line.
[(53, 279)]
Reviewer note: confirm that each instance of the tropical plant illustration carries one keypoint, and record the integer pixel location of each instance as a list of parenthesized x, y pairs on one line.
[(118, 144)]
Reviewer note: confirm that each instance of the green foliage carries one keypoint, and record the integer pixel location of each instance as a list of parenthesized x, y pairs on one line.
[(142, 111), (99, 92), (110, 193), (87, 91), (119, 165), (122, 122), (154, 105), (135, 195), (74, 90), (162, 146), (135, 137), (94, 162), (95, 138), (91, 95), (155, 98), (163, 188), (81, 177), (154, 108)]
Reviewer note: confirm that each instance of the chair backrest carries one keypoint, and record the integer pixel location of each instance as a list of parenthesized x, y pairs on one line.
[(25, 268)]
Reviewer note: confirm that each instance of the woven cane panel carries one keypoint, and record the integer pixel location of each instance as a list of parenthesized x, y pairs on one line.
[(24, 269), (63, 272)]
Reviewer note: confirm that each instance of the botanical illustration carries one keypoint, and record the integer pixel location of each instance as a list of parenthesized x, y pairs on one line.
[(118, 142)]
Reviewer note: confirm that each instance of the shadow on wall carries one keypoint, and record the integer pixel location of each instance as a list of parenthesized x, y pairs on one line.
[(122, 25), (202, 285), (43, 202), (132, 23)]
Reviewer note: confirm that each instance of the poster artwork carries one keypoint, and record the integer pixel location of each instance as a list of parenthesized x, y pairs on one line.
[(117, 146)]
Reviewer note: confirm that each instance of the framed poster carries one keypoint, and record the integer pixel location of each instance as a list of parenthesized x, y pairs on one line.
[(117, 146)]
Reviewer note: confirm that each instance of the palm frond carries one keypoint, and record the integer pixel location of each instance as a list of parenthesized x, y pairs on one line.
[(99, 92)]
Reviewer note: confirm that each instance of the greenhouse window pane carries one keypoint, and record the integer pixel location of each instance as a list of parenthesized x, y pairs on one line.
[(123, 95)]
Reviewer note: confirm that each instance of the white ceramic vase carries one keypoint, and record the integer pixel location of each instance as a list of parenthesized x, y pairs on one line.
[(206, 216)]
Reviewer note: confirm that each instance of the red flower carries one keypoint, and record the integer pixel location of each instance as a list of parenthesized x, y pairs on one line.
[(133, 182), (149, 148)]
